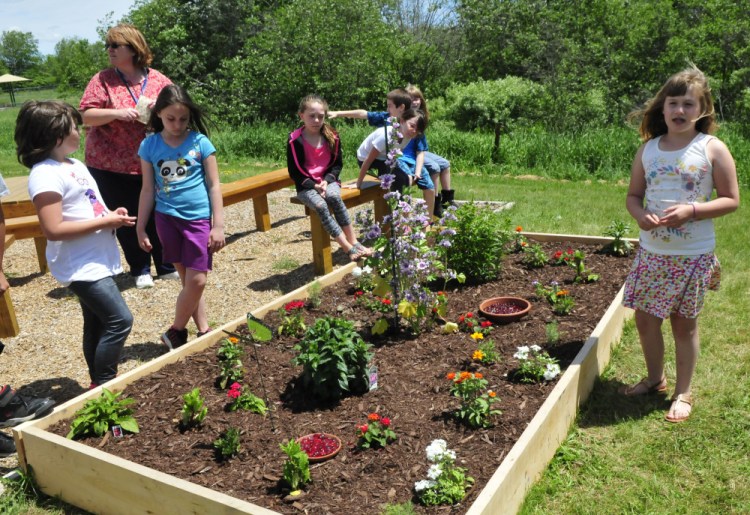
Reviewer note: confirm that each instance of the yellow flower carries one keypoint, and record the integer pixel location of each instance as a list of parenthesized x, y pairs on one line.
[(232, 339), (478, 355), (450, 327), (477, 336)]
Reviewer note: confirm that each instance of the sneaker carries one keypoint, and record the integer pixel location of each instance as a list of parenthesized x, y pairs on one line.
[(172, 276), (6, 394), (203, 333), (20, 409), (144, 281), (7, 445), (174, 338)]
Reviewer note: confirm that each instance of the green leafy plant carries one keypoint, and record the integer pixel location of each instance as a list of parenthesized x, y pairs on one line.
[(552, 331), (230, 362), (476, 403), (376, 432), (193, 408), (297, 465), (373, 303), (363, 278), (228, 444), (334, 358), (404, 508), (583, 275), (314, 296), (486, 353), (292, 323), (518, 241), (560, 299), (617, 229), (245, 400), (535, 365), (478, 240), (98, 415), (534, 256), (446, 483)]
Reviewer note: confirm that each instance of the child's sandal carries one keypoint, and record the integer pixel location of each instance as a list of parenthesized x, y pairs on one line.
[(684, 398), (364, 250), (356, 253), (643, 387)]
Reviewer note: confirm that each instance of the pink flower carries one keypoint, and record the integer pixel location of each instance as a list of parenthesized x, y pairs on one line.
[(385, 421), (363, 428)]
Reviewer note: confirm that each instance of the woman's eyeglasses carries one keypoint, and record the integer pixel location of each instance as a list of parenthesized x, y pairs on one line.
[(114, 46)]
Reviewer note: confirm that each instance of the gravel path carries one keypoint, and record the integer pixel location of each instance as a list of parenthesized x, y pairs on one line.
[(45, 359)]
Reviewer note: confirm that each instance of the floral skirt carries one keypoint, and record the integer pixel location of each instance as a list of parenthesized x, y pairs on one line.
[(662, 285)]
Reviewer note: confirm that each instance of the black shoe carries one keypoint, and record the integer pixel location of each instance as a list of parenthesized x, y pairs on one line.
[(174, 338), (21, 409), (438, 209), (6, 394), (447, 198), (7, 445)]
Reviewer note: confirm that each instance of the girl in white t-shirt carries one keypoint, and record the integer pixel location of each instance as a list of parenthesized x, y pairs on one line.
[(673, 177), (81, 247)]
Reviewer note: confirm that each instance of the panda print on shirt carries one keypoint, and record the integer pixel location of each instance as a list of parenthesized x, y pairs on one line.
[(173, 171)]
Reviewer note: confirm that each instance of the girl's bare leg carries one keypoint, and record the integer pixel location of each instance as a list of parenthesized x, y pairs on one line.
[(190, 301), (652, 344)]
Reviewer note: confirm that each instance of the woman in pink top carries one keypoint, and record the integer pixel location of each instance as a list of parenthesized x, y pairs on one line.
[(116, 106)]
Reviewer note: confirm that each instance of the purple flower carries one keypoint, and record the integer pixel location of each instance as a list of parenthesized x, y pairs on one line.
[(386, 181), (445, 243)]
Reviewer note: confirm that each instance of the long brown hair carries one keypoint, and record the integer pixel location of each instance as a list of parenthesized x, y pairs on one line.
[(652, 116), (328, 132)]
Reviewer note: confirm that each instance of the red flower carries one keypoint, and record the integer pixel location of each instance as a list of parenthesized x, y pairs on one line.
[(469, 314), (358, 293), (295, 304), (363, 428), (385, 421), (558, 254), (451, 376), (373, 417), (387, 302), (461, 319), (234, 391), (486, 323)]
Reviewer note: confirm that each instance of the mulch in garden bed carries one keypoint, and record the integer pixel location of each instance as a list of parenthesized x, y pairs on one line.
[(412, 390)]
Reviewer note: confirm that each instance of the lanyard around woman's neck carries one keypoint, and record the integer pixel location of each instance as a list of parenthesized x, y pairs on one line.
[(143, 86)]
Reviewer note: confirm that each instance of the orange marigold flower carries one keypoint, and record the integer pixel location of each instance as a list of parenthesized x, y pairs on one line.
[(478, 355), (478, 375), (464, 375), (519, 228), (492, 394), (451, 376), (524, 244), (562, 293), (232, 339), (374, 417), (441, 294)]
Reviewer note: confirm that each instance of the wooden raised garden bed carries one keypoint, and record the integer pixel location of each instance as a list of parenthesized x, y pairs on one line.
[(100, 482)]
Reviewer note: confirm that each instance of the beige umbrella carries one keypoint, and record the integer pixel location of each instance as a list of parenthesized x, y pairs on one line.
[(10, 79)]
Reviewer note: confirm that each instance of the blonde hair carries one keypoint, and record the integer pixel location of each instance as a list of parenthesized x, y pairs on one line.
[(328, 132), (127, 34), (416, 94), (652, 116)]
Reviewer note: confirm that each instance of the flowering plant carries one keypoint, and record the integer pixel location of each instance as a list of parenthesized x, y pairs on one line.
[(245, 400), (476, 404), (446, 483), (373, 302), (486, 353), (363, 278), (470, 323), (292, 323), (535, 365), (519, 240), (376, 432), (230, 362), (562, 303), (562, 258), (404, 260), (582, 274), (394, 142), (534, 256)]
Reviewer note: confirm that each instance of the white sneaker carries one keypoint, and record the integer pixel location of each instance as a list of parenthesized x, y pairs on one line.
[(144, 281), (173, 276)]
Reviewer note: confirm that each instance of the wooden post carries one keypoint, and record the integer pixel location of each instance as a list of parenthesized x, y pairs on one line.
[(8, 322), (321, 243), (41, 253), (262, 216)]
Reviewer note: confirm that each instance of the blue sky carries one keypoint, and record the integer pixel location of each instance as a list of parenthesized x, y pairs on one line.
[(52, 20)]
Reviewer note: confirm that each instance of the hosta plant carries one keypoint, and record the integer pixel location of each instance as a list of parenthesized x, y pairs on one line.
[(98, 415)]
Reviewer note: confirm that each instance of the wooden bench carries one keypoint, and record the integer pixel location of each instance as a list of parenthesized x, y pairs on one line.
[(257, 188), (321, 241), (8, 322)]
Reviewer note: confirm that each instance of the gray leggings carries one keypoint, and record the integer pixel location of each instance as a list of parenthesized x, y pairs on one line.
[(313, 200)]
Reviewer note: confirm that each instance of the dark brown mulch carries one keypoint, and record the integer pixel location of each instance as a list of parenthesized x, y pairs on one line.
[(412, 391)]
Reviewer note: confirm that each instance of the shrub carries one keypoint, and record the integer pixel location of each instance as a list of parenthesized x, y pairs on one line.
[(334, 358), (477, 248)]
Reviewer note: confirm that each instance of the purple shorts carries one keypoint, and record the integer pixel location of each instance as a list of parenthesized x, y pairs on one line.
[(184, 241)]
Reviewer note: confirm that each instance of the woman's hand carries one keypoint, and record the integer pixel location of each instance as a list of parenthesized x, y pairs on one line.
[(129, 114)]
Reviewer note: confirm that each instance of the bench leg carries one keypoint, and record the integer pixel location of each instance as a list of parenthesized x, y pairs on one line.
[(380, 208), (8, 322), (321, 244), (262, 216), (41, 253)]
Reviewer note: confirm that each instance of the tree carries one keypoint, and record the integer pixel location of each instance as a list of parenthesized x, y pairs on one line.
[(497, 105), (74, 62), (19, 51)]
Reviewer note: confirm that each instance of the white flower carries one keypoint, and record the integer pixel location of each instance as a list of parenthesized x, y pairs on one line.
[(367, 269), (423, 484), (535, 348), (434, 471), (436, 449), (523, 353), (356, 272), (552, 372)]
